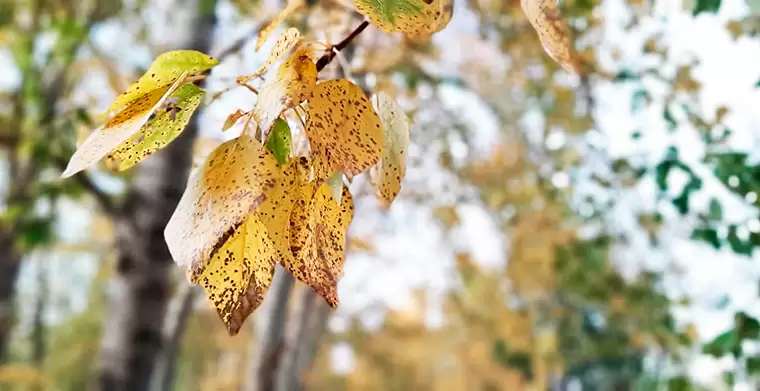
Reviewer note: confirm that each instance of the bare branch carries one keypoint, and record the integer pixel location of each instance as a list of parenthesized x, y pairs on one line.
[(325, 59)]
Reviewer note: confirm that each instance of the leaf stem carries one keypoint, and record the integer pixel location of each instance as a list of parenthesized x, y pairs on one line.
[(327, 57)]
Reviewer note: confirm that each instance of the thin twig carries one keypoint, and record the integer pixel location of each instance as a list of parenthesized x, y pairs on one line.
[(327, 57)]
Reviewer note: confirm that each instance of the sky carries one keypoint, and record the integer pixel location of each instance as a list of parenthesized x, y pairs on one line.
[(413, 251)]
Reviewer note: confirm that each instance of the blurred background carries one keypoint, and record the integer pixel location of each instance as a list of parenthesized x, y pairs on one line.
[(552, 233)]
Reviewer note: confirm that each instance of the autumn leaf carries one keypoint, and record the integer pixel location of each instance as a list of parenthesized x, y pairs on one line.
[(275, 22), (335, 183), (232, 119), (287, 41), (280, 141), (119, 128), (318, 238), (387, 175), (553, 32), (239, 273), (167, 124), (235, 179), (343, 129), (417, 18), (165, 70), (275, 211), (291, 85)]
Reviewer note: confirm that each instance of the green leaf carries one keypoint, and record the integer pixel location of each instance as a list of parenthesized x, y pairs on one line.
[(706, 6), (164, 71), (279, 141), (721, 345), (413, 17), (169, 121)]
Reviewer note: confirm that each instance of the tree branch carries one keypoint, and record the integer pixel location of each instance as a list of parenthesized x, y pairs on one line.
[(325, 59), (104, 200)]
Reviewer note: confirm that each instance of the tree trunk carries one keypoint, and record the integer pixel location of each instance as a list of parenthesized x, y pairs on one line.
[(302, 341), (10, 261), (176, 324), (133, 335), (270, 338)]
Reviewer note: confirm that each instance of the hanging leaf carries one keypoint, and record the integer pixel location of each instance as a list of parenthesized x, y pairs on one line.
[(553, 32), (235, 179), (387, 175), (165, 70), (167, 124), (285, 43), (119, 128), (280, 140), (276, 22), (232, 119), (275, 211), (413, 17), (239, 273), (335, 183), (343, 129), (318, 238), (292, 85)]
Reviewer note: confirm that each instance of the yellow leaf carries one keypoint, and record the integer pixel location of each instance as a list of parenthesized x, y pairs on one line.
[(239, 273), (236, 178), (553, 31), (166, 125), (119, 128), (318, 238), (416, 18), (165, 70), (287, 41), (292, 85), (232, 118), (343, 129), (276, 21), (387, 175), (275, 211)]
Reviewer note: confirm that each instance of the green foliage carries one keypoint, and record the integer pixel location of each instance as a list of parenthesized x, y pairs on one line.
[(711, 6), (280, 141)]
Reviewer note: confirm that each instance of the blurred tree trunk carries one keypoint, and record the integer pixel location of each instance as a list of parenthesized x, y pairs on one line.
[(176, 324), (10, 261), (134, 327)]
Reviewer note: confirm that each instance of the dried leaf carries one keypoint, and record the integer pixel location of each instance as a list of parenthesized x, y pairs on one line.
[(232, 119), (119, 128), (387, 175), (275, 211), (292, 85), (275, 22), (343, 129), (318, 238), (235, 179), (287, 41), (168, 123), (553, 31), (415, 18), (280, 140), (239, 273), (165, 70)]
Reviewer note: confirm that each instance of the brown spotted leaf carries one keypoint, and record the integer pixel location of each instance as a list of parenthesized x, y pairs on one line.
[(416, 18), (318, 238), (168, 122), (275, 211), (236, 178), (165, 70), (119, 128), (345, 133), (293, 83), (387, 175), (553, 31), (240, 270), (275, 22)]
